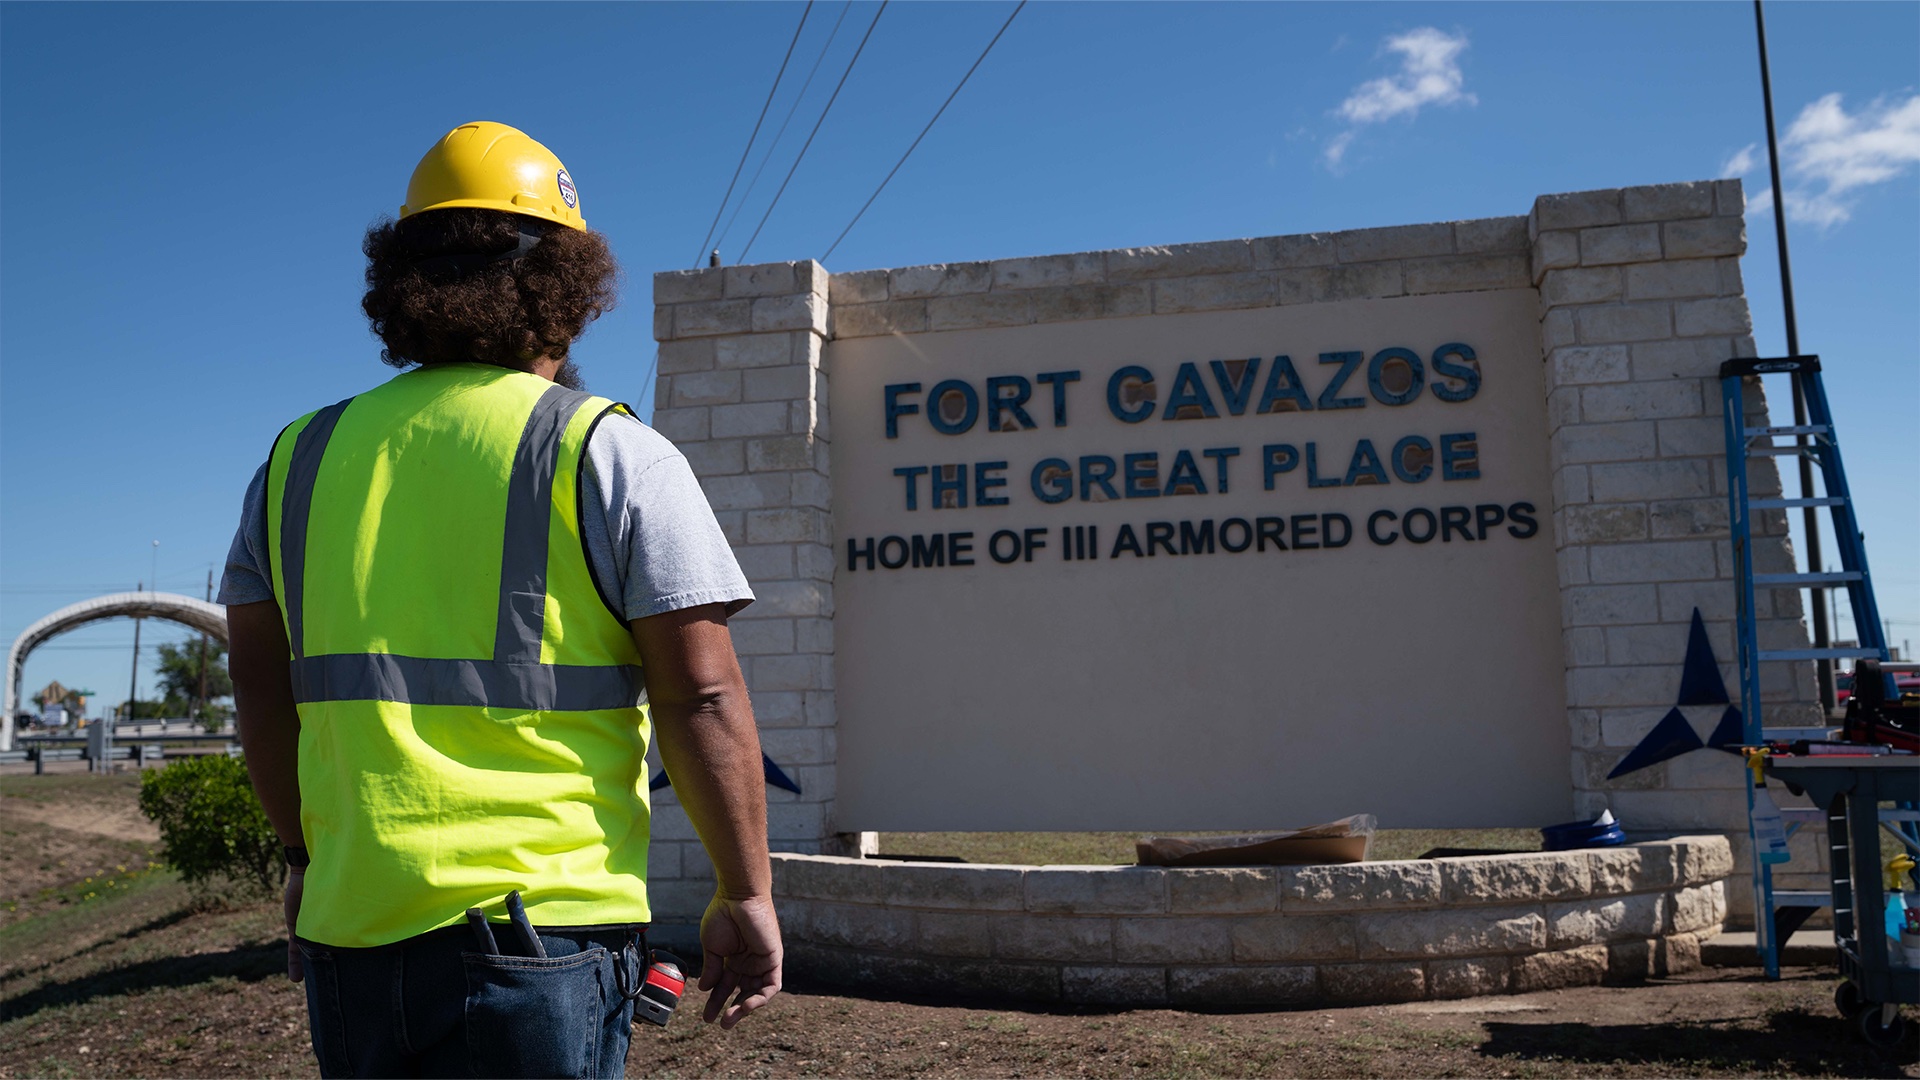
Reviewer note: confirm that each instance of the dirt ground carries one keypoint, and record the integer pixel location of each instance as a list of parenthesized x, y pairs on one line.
[(144, 980)]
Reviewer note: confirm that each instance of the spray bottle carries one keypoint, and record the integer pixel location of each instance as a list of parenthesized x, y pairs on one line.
[(1897, 902), (1769, 831)]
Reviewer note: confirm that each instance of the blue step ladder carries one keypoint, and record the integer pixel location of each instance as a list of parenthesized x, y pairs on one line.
[(1778, 912)]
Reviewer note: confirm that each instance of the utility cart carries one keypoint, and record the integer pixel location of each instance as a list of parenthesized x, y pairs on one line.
[(1850, 790)]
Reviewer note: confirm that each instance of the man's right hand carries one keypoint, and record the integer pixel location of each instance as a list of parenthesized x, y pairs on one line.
[(741, 957)]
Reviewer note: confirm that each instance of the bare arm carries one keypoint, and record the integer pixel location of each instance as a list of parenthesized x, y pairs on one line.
[(270, 733), (712, 753)]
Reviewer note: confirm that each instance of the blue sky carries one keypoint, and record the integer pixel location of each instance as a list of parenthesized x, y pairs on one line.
[(186, 185)]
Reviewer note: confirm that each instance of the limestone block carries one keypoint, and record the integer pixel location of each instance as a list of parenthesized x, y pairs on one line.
[(1571, 562), (1667, 202), (813, 635), (1729, 200), (858, 287), (764, 279), (802, 311), (1091, 302), (1179, 260), (1394, 242), (1581, 285), (1604, 605), (722, 457), (1642, 321), (679, 357), (1688, 518), (663, 862), (1173, 941), (744, 492), (685, 897), (1450, 932), (966, 888), (1571, 485), (670, 822), (1294, 938), (803, 598), (1372, 984), (784, 672), (1487, 879), (1366, 281), (811, 489), (1489, 236), (1223, 890), (1289, 985), (1705, 238), (810, 276), (1670, 560), (1067, 940), (943, 933), (1467, 978), (1555, 251), (754, 351), (1582, 444), (1050, 271), (1659, 644), (705, 388), (1702, 437), (1697, 359), (871, 320), (793, 746), (1678, 600), (1215, 292), (1465, 273), (1291, 252), (1604, 523), (1107, 985), (1674, 279), (1563, 407), (686, 286), (783, 383), (1691, 809), (1645, 685), (779, 452), (797, 821), (1359, 886), (712, 317), (983, 309), (943, 279), (1585, 922), (1306, 285), (1557, 329), (1577, 210), (1665, 479), (1701, 860), (1681, 952), (1704, 318), (1584, 966), (1641, 401), (820, 708), (754, 637), (1584, 646), (742, 421), (1097, 890)]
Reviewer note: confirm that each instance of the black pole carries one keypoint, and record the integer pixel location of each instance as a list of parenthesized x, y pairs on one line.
[(1823, 669)]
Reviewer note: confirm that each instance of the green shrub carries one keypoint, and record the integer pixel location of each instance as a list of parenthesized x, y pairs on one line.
[(212, 824)]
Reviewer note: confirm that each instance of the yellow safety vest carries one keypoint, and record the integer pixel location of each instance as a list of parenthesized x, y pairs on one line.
[(471, 714)]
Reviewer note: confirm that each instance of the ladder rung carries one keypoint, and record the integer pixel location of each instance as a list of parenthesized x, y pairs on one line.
[(1795, 734), (1798, 581), (1782, 451), (1802, 814), (1799, 429), (1790, 504), (1800, 898), (1818, 654)]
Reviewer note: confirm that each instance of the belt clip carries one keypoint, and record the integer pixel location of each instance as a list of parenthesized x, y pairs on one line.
[(661, 984)]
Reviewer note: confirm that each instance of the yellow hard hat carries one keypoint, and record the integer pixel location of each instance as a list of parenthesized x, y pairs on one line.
[(497, 167)]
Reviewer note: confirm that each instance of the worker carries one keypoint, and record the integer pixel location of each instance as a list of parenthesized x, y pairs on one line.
[(460, 605)]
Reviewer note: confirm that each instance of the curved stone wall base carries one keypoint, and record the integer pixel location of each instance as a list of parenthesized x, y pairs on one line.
[(1365, 933)]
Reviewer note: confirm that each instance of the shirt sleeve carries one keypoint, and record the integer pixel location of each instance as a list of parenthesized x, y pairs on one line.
[(650, 534), (246, 579)]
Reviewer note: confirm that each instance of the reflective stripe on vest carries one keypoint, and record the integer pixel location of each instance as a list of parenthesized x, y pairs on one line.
[(515, 678)]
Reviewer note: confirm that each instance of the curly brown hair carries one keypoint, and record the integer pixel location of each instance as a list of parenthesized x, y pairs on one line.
[(443, 287)]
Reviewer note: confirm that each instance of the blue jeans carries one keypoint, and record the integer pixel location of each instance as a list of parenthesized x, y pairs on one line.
[(433, 1006)]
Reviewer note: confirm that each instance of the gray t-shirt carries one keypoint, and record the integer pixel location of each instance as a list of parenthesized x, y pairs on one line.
[(652, 539)]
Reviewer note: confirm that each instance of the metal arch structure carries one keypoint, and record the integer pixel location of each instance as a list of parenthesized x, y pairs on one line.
[(185, 610)]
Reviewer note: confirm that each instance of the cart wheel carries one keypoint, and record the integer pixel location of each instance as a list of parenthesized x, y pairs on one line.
[(1881, 1034), (1846, 998)]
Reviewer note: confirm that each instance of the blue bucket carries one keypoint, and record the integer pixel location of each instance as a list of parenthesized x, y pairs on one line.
[(1581, 834)]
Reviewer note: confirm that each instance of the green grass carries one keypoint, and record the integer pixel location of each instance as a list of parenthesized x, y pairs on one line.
[(1106, 848)]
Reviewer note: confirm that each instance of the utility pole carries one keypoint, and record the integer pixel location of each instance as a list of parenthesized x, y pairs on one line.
[(1811, 517), (105, 764), (201, 701)]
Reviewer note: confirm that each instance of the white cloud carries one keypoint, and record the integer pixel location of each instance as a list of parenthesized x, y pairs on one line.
[(1429, 75), (1740, 163), (1830, 155)]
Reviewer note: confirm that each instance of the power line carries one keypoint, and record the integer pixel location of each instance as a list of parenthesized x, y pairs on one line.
[(748, 149), (832, 36), (923, 132), (816, 130)]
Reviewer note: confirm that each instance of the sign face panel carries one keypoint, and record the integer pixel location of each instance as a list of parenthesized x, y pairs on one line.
[(1235, 570)]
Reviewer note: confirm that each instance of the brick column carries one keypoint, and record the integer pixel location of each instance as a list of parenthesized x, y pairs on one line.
[(742, 393), (1640, 301)]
